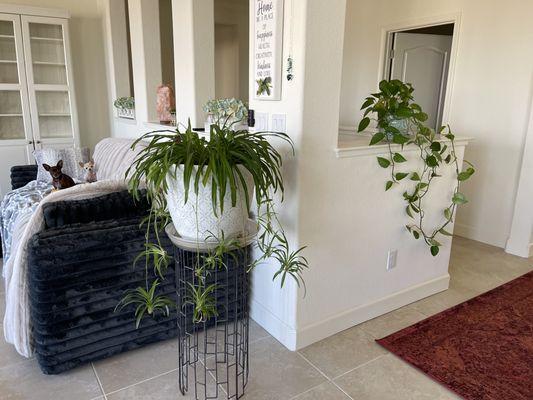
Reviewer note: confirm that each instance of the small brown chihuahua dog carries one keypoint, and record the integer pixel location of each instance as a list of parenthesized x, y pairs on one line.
[(59, 179)]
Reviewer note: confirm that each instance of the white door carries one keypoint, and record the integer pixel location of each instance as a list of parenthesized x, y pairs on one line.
[(422, 60), (16, 141), (50, 84)]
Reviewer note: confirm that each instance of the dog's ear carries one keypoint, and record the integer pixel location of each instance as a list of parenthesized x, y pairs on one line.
[(59, 164), (81, 164), (46, 167)]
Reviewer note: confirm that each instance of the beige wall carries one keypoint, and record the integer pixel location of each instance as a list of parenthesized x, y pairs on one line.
[(490, 93), (167, 42), (88, 59), (235, 13)]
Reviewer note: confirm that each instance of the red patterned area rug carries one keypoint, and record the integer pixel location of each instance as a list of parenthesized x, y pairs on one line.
[(481, 349)]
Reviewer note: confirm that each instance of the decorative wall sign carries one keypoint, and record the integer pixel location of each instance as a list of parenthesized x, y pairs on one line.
[(268, 49)]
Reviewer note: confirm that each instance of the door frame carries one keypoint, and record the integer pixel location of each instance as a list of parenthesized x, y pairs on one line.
[(386, 43)]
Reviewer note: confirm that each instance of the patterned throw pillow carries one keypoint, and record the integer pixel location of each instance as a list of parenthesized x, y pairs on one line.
[(71, 157)]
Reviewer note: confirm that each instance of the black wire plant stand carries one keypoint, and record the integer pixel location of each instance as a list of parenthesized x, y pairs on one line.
[(213, 353)]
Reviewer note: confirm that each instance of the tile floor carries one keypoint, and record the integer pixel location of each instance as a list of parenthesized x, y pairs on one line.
[(348, 365)]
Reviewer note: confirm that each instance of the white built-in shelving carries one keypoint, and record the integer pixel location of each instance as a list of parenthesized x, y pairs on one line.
[(37, 107)]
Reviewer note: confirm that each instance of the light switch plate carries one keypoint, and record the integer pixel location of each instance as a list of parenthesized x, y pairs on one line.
[(261, 122), (279, 123)]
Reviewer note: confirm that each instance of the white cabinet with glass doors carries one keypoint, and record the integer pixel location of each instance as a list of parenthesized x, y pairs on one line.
[(37, 104)]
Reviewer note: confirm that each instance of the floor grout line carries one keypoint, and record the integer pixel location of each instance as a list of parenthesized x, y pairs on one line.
[(327, 377), (143, 381), (361, 365), (99, 382)]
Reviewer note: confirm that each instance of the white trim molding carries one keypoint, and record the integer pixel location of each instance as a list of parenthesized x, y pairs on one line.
[(358, 147), (519, 241), (34, 11), (296, 339), (284, 333), (347, 319)]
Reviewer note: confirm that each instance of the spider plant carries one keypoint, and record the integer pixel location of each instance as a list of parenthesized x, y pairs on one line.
[(203, 302), (215, 258), (221, 161), (147, 302)]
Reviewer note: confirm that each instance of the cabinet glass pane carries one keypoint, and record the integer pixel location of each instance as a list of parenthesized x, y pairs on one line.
[(8, 54), (11, 120), (55, 127), (10, 102), (52, 103), (6, 28), (11, 128), (49, 31), (48, 54), (54, 114)]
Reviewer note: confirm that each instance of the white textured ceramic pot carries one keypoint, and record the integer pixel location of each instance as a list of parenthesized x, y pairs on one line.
[(196, 219)]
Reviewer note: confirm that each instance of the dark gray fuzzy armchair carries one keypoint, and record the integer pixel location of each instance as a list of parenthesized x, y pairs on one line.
[(79, 267)]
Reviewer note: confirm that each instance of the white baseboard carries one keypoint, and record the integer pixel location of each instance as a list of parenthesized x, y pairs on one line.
[(275, 326), (474, 233), (337, 323)]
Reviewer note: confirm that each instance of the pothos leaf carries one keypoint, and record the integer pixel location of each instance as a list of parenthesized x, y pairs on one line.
[(388, 185), (445, 232), (383, 162), (398, 138), (378, 137), (398, 158), (431, 161), (363, 124), (434, 250), (400, 175), (459, 198), (369, 101)]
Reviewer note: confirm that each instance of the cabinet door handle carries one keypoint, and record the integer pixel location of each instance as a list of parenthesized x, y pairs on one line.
[(38, 142), (30, 142)]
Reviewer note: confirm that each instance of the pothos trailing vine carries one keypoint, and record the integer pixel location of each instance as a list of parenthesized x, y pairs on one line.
[(218, 161), (400, 121)]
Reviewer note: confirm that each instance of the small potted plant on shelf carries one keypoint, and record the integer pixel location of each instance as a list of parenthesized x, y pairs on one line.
[(230, 113), (207, 187), (125, 107)]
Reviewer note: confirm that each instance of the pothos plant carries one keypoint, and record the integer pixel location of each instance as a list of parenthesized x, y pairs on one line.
[(220, 161), (400, 121)]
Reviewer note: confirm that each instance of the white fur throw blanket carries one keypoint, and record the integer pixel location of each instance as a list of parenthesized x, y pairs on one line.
[(17, 329)]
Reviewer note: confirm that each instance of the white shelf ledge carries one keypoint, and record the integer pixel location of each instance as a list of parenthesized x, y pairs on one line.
[(356, 145), (55, 64), (10, 115), (159, 126), (46, 39)]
